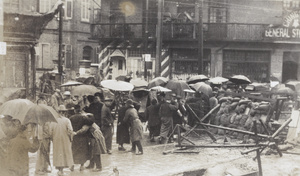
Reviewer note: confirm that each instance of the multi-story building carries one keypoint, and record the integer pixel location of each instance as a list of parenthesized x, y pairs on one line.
[(78, 15), (20, 29), (256, 38)]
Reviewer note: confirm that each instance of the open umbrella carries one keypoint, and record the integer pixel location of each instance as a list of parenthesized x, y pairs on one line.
[(217, 80), (197, 78), (84, 90), (40, 114), (293, 84), (117, 85), (177, 87), (125, 78), (16, 108), (71, 83), (160, 89), (203, 87), (283, 91), (240, 79), (158, 81), (139, 83)]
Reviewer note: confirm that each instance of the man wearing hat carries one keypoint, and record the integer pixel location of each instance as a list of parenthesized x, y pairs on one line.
[(136, 128), (55, 100), (166, 115), (69, 102)]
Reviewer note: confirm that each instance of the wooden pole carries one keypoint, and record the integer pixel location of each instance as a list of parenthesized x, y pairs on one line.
[(200, 38), (146, 38), (235, 130), (257, 150), (217, 145), (60, 44)]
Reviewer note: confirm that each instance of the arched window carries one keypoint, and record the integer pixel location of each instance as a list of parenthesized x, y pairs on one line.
[(87, 53)]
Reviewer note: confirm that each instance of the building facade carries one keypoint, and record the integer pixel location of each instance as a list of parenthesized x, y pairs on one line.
[(76, 45), (22, 27), (256, 38)]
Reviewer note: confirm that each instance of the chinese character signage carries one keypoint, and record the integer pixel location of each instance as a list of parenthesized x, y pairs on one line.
[(290, 27)]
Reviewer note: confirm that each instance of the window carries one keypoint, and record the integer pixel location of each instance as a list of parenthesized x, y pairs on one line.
[(139, 52), (217, 15), (68, 9), (85, 10), (291, 3), (67, 55), (44, 56), (97, 8), (120, 64), (44, 6), (253, 64), (87, 53), (11, 4)]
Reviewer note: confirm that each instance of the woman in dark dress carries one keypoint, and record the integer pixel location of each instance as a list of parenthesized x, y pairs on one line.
[(122, 129)]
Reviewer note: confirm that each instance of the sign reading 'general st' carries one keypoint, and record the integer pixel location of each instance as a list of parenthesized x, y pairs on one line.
[(290, 27)]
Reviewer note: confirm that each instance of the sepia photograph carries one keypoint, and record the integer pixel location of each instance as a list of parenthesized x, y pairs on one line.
[(149, 87)]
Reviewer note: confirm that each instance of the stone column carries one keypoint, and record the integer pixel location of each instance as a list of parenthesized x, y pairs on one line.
[(216, 62), (276, 64)]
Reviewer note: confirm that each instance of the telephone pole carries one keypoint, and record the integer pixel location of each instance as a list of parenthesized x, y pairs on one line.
[(159, 38), (60, 28), (146, 39), (200, 37)]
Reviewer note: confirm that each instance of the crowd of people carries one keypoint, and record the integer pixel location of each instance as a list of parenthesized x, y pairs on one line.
[(84, 130)]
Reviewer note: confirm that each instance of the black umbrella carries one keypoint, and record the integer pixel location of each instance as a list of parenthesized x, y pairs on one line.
[(197, 78), (240, 79)]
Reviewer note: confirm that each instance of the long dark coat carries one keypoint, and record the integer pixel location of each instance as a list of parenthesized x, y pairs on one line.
[(152, 115), (136, 128), (122, 128), (166, 114), (80, 144), (96, 108)]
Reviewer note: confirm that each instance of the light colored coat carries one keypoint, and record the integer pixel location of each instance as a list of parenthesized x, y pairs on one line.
[(61, 134)]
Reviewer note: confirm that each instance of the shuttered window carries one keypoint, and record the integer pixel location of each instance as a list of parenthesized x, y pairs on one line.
[(85, 10), (12, 5), (67, 55), (69, 9), (44, 59)]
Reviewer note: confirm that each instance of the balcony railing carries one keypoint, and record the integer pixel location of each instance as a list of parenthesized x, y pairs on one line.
[(181, 31)]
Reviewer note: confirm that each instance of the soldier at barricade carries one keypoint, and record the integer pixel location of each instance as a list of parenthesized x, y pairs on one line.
[(165, 113), (152, 116), (107, 122)]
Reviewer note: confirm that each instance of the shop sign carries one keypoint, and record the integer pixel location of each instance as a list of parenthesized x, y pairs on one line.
[(290, 27), (2, 48)]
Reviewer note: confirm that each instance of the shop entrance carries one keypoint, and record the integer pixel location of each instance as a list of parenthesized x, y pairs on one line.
[(290, 66)]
